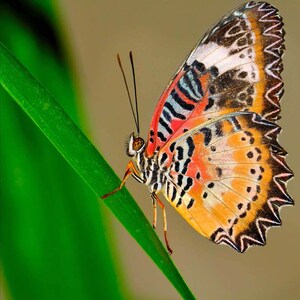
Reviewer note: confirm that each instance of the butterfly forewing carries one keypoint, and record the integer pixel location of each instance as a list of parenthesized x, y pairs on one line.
[(212, 130), (236, 66)]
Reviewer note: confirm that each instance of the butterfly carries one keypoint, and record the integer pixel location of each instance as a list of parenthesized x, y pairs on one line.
[(212, 147)]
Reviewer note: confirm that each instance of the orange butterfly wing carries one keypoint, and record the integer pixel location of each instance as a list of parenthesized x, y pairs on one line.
[(228, 179)]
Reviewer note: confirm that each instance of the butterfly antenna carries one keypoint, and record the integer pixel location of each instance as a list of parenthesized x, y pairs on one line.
[(127, 89), (135, 92)]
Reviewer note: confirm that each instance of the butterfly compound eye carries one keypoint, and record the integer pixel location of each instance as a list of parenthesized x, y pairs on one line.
[(135, 145), (138, 143)]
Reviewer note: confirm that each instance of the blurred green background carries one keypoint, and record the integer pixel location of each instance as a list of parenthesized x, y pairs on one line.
[(86, 35), (53, 243)]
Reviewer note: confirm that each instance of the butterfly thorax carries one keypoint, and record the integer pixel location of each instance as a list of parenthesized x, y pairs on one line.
[(151, 173)]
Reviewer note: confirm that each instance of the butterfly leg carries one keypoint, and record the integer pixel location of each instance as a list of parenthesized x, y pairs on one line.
[(162, 206), (154, 212), (130, 170)]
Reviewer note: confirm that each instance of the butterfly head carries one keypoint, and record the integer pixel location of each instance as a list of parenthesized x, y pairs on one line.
[(135, 145)]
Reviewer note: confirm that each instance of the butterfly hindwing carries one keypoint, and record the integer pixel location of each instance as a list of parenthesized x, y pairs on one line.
[(228, 178)]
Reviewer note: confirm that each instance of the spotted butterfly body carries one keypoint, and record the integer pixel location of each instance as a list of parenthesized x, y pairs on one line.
[(212, 146)]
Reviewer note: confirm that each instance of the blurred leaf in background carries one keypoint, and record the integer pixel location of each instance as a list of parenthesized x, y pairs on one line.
[(53, 243)]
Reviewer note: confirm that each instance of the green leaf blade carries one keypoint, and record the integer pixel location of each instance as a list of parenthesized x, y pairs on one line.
[(36, 101)]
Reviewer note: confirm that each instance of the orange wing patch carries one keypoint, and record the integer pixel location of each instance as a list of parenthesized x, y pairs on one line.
[(267, 27)]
